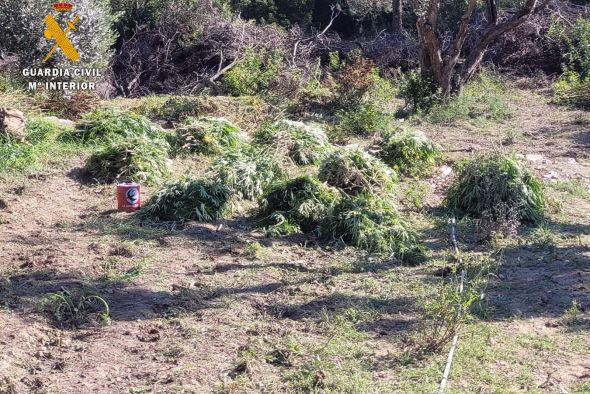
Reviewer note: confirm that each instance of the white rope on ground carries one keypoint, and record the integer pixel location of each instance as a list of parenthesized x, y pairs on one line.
[(445, 378)]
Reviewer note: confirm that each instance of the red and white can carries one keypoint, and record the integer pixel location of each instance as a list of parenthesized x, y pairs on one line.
[(129, 197)]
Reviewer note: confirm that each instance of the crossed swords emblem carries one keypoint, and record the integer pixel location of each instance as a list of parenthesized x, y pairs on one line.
[(61, 37)]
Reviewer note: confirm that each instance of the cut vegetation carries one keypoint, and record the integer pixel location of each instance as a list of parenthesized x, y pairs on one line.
[(497, 186), (354, 171), (303, 143), (139, 159), (201, 200)]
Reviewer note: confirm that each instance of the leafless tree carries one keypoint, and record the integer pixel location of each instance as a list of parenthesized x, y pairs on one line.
[(450, 67)]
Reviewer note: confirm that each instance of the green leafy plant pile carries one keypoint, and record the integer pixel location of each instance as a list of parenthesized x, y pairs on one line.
[(247, 172), (354, 171), (374, 224), (207, 135), (139, 159), (202, 200), (297, 204), (407, 151), (304, 144), (497, 185)]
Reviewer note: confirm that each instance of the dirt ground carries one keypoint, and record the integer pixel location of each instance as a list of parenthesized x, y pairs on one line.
[(221, 308)]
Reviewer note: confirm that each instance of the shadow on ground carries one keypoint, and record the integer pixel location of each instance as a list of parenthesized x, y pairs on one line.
[(543, 279)]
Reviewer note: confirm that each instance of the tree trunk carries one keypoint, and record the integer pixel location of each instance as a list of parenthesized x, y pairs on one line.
[(397, 27)]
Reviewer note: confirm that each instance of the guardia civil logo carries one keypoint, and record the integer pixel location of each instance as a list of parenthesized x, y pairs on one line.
[(54, 32)]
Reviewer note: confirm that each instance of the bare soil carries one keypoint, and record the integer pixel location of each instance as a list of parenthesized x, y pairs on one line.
[(207, 309)]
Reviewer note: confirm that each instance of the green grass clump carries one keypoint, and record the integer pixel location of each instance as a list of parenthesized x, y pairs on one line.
[(297, 204), (18, 156), (207, 135), (247, 172), (374, 224), (202, 200), (110, 124), (407, 151), (483, 100), (495, 185), (139, 159), (74, 309), (354, 171), (303, 143)]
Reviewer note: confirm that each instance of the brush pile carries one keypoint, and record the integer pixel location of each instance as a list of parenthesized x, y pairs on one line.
[(113, 124), (372, 223)]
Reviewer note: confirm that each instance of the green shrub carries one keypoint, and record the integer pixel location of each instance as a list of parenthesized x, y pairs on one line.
[(499, 187), (407, 151), (571, 45), (297, 204), (572, 90), (247, 172), (139, 159), (207, 135), (419, 91), (113, 124), (354, 171), (282, 12), (202, 200), (373, 224), (362, 95), (253, 74), (304, 144), (367, 118)]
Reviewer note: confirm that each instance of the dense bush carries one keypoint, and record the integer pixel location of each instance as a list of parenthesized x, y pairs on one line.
[(354, 171), (201, 200), (139, 159), (573, 91), (373, 224), (362, 96), (297, 204), (253, 74), (407, 151), (247, 172), (207, 135), (367, 118), (303, 143), (113, 124), (499, 187), (571, 45), (419, 91), (21, 32), (283, 12)]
